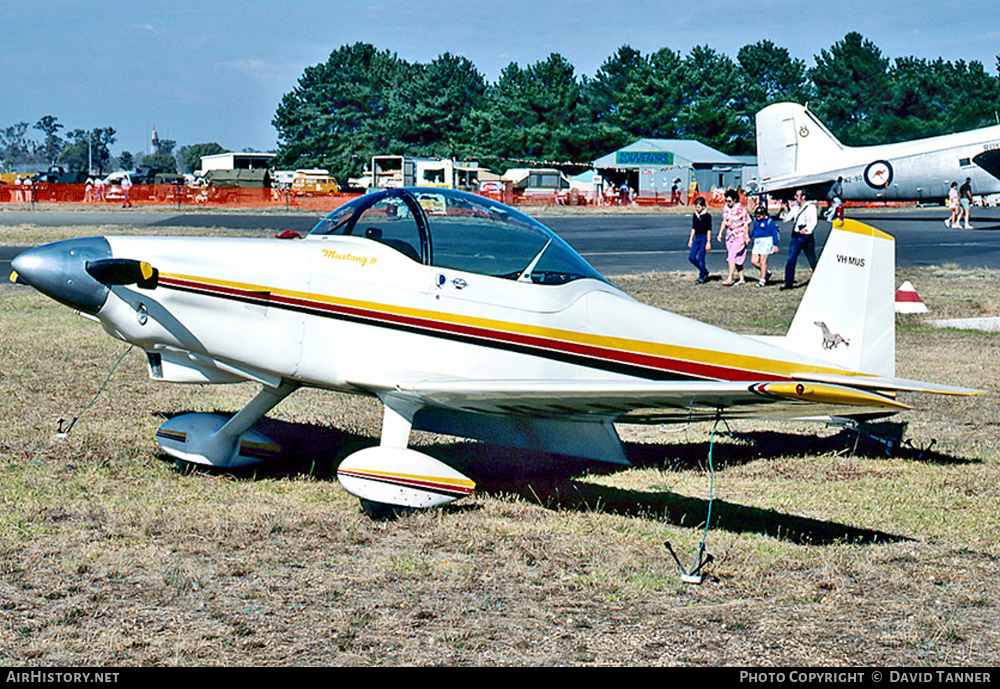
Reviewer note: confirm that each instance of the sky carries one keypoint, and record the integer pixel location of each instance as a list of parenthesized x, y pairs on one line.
[(214, 71)]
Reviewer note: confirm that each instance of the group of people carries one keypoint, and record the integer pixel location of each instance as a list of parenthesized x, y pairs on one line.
[(960, 203), (758, 237)]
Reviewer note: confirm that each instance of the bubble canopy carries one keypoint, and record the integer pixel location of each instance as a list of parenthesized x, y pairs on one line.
[(461, 231)]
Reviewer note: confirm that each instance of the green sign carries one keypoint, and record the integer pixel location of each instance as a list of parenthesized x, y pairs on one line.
[(644, 158)]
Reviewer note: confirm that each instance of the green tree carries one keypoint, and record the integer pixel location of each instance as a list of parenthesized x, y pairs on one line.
[(852, 89), (126, 161), (192, 155), (612, 88), (75, 155), (768, 74), (713, 112), (338, 115), (975, 96), (919, 100), (633, 96), (88, 150), (161, 162), (15, 146), (650, 106), (165, 147), (431, 115), (53, 143), (536, 114)]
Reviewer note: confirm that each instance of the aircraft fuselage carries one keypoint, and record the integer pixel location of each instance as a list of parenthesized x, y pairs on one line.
[(795, 150)]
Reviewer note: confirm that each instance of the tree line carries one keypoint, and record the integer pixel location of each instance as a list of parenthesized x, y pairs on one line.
[(80, 150), (364, 101)]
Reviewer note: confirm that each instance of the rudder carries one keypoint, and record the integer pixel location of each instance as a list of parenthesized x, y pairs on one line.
[(792, 141), (847, 316)]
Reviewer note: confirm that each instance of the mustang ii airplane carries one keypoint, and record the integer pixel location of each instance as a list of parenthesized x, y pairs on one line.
[(465, 317)]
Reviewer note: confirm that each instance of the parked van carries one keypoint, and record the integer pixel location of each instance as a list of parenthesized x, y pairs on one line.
[(314, 182)]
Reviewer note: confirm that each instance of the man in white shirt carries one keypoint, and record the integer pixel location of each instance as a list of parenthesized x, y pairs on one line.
[(803, 217)]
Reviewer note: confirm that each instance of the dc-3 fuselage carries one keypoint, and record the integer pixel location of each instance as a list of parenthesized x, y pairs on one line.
[(465, 317)]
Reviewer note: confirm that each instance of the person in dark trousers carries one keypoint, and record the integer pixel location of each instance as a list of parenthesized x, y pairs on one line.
[(700, 240), (803, 217), (834, 198)]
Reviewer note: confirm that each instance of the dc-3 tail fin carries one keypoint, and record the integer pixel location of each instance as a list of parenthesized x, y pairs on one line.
[(848, 316), (792, 141)]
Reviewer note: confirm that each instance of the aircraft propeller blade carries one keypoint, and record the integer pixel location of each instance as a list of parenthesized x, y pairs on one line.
[(124, 271)]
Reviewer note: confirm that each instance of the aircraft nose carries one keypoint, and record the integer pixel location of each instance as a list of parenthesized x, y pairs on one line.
[(59, 270)]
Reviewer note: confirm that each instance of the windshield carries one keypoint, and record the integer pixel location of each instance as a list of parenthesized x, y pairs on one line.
[(461, 231)]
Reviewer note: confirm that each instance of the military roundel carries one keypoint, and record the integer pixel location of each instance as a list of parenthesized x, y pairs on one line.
[(878, 175)]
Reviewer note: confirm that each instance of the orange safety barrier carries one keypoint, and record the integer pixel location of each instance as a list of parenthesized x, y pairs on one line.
[(240, 197), (166, 195)]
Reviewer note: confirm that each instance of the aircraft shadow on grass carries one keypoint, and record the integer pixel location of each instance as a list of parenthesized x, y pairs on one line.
[(554, 482)]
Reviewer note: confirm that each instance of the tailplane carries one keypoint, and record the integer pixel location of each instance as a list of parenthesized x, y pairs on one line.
[(848, 316)]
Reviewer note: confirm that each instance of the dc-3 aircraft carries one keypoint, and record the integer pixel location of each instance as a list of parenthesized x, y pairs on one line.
[(795, 150), (469, 318)]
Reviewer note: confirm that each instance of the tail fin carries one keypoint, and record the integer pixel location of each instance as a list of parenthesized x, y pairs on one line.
[(792, 141), (848, 315)]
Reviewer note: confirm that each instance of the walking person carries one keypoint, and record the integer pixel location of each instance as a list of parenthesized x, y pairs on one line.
[(700, 240), (956, 211), (835, 198), (736, 225), (965, 201), (803, 217), (126, 192), (763, 242)]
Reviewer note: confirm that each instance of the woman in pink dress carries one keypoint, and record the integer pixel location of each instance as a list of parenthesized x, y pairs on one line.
[(736, 224), (956, 209)]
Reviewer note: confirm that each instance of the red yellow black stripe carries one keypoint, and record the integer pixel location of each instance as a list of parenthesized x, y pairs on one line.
[(455, 488), (652, 361)]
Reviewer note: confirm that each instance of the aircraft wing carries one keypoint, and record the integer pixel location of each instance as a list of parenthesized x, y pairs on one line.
[(656, 401)]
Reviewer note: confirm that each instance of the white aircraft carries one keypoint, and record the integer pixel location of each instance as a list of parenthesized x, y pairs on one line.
[(795, 150), (465, 317)]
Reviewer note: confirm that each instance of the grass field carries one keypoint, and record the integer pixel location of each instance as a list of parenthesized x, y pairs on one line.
[(827, 550)]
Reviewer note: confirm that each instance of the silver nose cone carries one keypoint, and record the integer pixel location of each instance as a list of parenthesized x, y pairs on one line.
[(59, 270)]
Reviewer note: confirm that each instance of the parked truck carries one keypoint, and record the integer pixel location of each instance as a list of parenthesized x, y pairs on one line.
[(403, 171)]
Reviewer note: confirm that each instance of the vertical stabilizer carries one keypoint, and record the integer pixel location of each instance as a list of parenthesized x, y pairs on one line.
[(847, 316), (792, 141)]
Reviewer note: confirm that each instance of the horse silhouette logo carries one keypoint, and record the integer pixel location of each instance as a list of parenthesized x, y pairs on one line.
[(831, 340)]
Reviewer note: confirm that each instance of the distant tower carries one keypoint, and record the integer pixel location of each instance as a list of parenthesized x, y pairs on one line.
[(154, 143)]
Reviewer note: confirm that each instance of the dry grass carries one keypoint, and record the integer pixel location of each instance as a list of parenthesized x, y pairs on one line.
[(828, 552)]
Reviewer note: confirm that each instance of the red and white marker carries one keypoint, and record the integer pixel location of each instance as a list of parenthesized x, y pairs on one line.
[(908, 301)]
